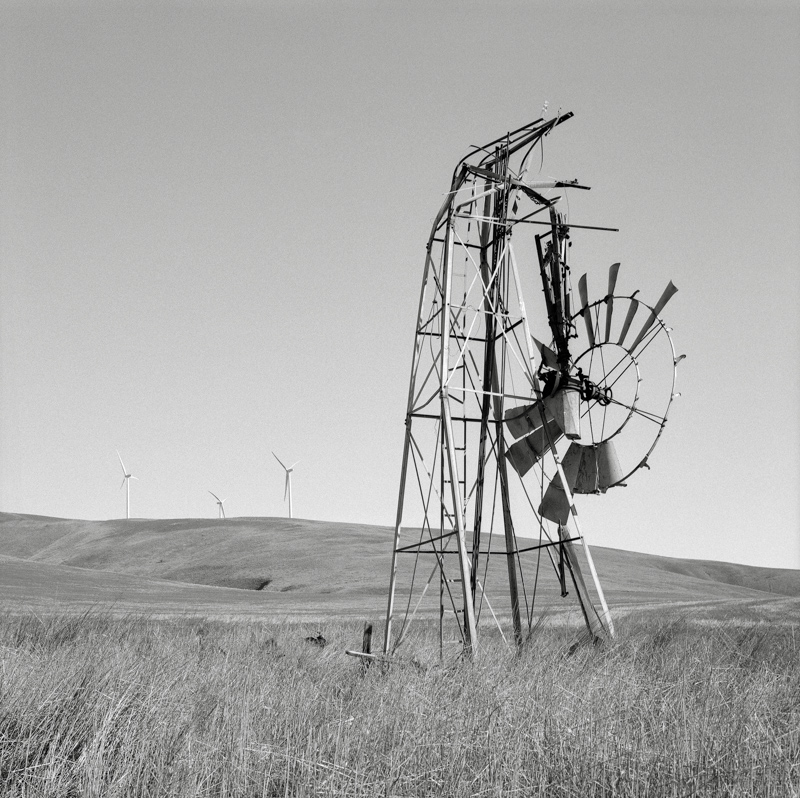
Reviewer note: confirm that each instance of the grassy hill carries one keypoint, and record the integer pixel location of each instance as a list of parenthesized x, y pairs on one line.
[(302, 568)]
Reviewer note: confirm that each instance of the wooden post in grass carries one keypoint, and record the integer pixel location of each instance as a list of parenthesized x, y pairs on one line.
[(366, 646)]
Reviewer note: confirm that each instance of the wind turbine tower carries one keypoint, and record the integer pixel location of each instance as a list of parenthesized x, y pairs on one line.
[(287, 490), (126, 481), (220, 502)]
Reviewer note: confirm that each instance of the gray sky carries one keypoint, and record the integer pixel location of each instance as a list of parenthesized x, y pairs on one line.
[(212, 227)]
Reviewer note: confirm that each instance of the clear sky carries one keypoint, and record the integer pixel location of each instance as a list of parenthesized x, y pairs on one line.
[(212, 227)]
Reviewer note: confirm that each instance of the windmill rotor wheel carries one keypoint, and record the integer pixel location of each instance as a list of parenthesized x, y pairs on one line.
[(628, 380)]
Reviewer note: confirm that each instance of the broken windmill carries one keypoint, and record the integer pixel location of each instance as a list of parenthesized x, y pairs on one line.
[(503, 428)]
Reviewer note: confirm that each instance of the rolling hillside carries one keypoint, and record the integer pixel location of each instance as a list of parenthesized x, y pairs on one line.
[(302, 568)]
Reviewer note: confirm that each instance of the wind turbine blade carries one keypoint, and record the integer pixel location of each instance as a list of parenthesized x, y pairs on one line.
[(123, 483), (214, 495), (279, 460), (122, 464), (612, 284), (292, 466), (286, 486)]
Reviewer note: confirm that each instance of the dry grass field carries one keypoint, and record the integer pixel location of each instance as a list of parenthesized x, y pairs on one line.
[(169, 658), (103, 706)]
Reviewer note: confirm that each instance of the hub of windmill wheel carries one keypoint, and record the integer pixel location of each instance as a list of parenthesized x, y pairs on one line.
[(590, 392)]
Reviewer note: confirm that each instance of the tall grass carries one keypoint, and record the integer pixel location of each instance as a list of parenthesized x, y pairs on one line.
[(97, 706)]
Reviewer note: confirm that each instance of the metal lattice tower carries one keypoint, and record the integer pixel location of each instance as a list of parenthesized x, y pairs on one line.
[(486, 500)]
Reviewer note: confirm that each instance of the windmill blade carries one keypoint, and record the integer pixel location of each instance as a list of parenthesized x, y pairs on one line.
[(599, 468), (554, 506), (586, 479), (291, 467), (587, 316), (279, 460), (286, 485), (628, 319), (123, 483), (526, 452), (548, 356), (122, 464), (526, 419), (669, 292), (215, 496), (609, 471), (612, 284)]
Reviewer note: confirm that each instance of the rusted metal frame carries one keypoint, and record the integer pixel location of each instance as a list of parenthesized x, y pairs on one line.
[(484, 400), (499, 268), (560, 295), (525, 323), (583, 594), (529, 370), (465, 245), (418, 347), (429, 474), (436, 568), (443, 215), (529, 128), (546, 545), (506, 182), (511, 224), (416, 406), (530, 131), (404, 466), (474, 197), (434, 368), (431, 416), (531, 137), (571, 226), (514, 396), (429, 321), (416, 453), (562, 476), (485, 287), (606, 619), (412, 546), (485, 598), (447, 429), (425, 500), (505, 315), (457, 337)]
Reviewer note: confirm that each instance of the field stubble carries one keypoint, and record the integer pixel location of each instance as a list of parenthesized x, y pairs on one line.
[(103, 706)]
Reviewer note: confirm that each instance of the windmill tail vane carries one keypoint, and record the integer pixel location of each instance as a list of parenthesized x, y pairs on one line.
[(516, 408)]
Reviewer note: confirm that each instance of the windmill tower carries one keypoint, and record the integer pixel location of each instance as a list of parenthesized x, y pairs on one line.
[(502, 430)]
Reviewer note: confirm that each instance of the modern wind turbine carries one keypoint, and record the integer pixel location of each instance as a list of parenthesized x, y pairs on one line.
[(126, 481), (287, 490), (220, 502)]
